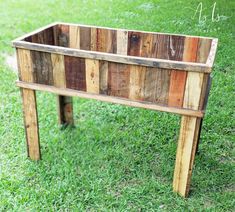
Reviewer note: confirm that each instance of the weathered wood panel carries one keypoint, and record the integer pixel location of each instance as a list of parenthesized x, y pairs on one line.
[(187, 144), (85, 38), (31, 123), (122, 42), (92, 76), (103, 74), (74, 37), (44, 37), (42, 67), (134, 43), (58, 70), (75, 73), (118, 80), (25, 65), (178, 78)]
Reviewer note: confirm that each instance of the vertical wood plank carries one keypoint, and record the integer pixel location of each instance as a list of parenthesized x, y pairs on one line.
[(85, 38), (92, 76), (25, 65), (42, 67), (93, 39), (29, 105), (103, 67), (31, 123), (134, 43), (62, 35), (122, 42), (146, 45), (162, 86), (58, 70), (137, 78), (185, 154), (178, 78), (75, 73), (160, 46), (64, 103), (74, 37), (204, 46), (118, 79)]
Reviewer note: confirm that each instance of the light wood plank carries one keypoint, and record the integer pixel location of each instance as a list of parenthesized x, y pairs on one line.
[(122, 42), (25, 65), (31, 123), (74, 37), (58, 70), (187, 144), (103, 74), (124, 101), (92, 76)]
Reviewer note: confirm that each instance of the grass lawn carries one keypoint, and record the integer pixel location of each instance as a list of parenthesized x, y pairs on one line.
[(117, 158)]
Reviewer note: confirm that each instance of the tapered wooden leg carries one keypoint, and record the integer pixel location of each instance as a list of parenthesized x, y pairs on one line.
[(65, 110), (186, 149), (31, 123)]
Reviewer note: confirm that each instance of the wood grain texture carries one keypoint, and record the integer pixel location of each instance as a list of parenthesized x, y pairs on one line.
[(62, 35), (134, 44), (122, 42), (25, 66), (74, 37), (106, 41), (178, 78), (146, 45), (42, 67), (58, 70), (44, 37), (31, 123), (103, 74), (92, 76), (75, 73), (105, 98), (187, 143), (137, 79), (204, 46), (160, 46), (85, 38), (118, 80)]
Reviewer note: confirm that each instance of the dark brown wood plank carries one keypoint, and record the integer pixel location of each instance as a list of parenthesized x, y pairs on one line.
[(42, 67), (85, 38), (146, 45), (160, 46), (62, 35), (118, 80), (134, 44), (75, 73)]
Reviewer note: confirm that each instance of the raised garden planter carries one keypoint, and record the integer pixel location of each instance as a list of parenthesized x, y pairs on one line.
[(164, 72)]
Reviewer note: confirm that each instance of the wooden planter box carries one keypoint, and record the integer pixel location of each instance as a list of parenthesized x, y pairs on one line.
[(164, 72)]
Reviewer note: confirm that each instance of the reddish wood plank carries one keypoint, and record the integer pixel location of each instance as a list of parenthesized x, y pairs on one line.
[(75, 73), (118, 79), (134, 43)]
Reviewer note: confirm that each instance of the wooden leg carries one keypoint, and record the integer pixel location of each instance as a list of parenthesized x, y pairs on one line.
[(65, 110), (31, 123), (186, 149)]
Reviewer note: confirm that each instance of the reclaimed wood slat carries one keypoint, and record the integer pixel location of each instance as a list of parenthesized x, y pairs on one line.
[(122, 42), (134, 44), (85, 38), (42, 67), (105, 98), (74, 37), (25, 65), (75, 73), (178, 78), (146, 45), (103, 67), (160, 46), (62, 34), (31, 123), (118, 80), (137, 78), (58, 70), (92, 76), (185, 154)]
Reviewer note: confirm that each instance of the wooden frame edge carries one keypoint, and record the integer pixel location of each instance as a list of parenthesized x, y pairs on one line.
[(151, 62), (104, 98), (212, 54)]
